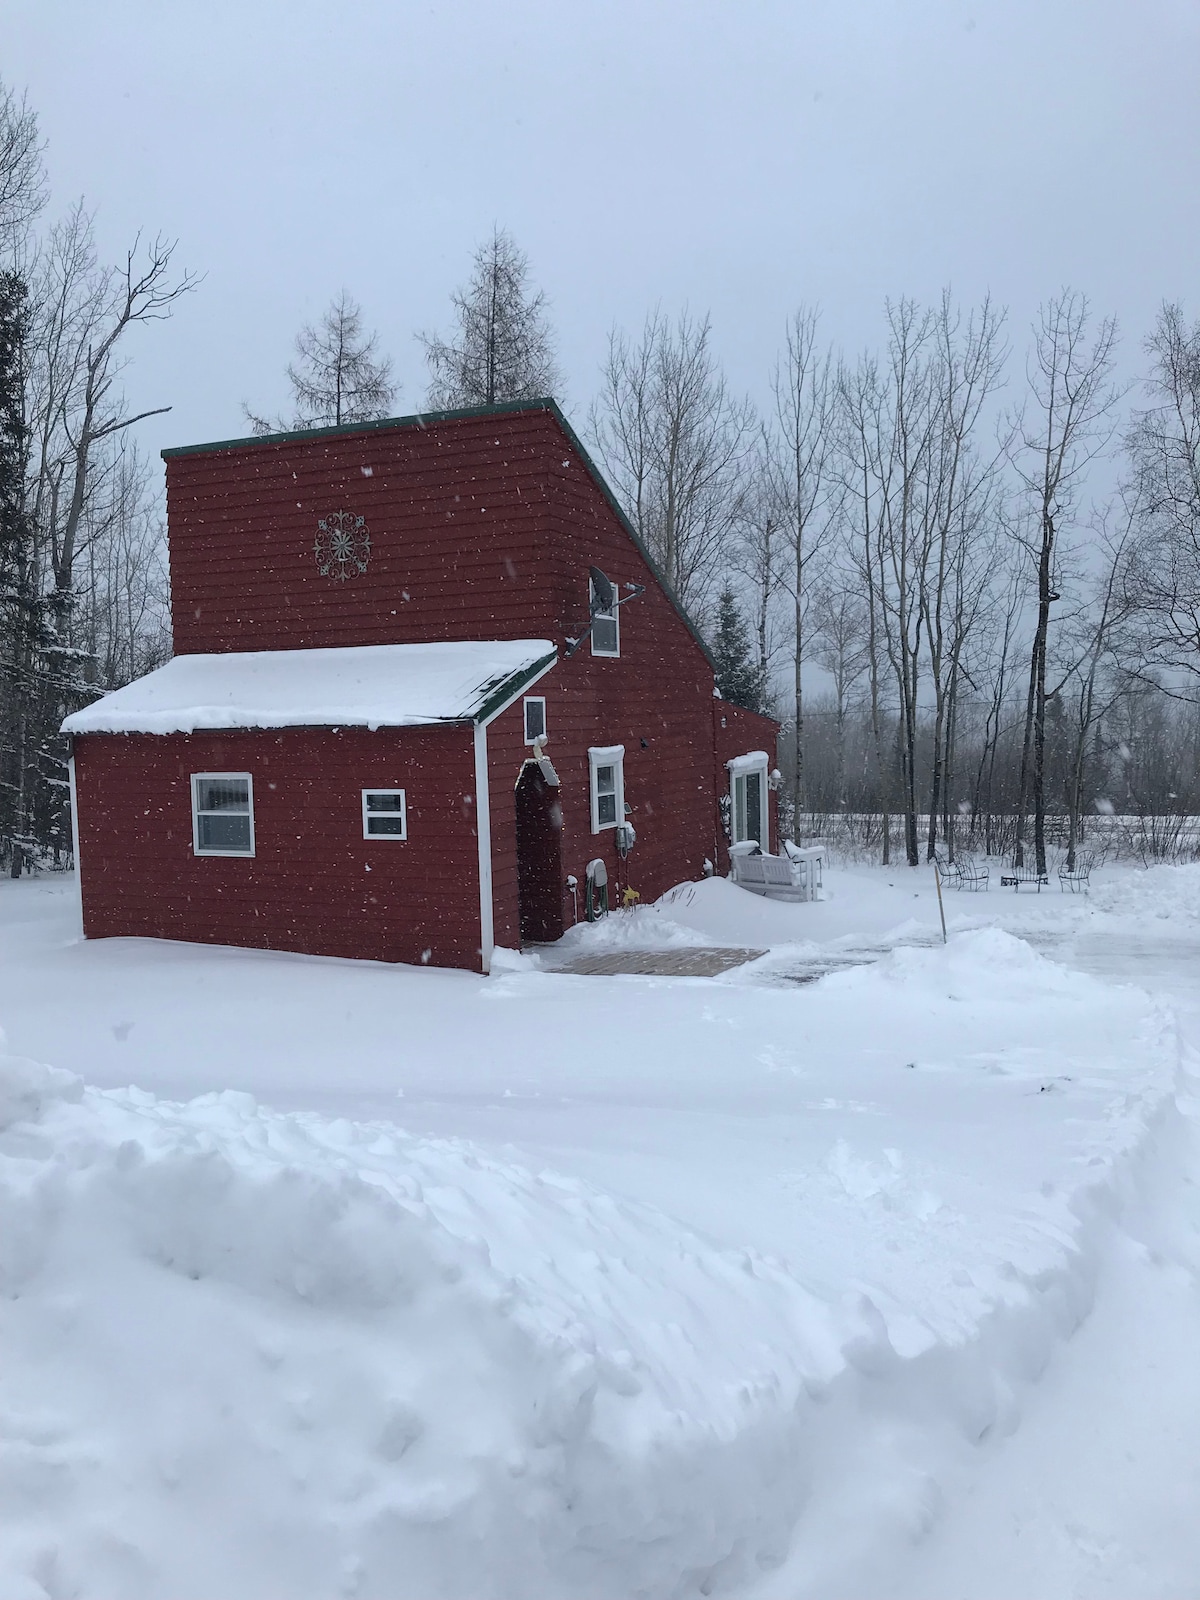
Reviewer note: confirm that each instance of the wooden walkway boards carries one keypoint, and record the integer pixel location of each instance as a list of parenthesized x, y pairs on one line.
[(700, 962)]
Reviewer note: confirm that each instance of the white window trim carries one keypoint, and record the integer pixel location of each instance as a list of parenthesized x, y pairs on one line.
[(742, 767), (748, 762), (386, 838), (222, 777), (540, 700), (614, 615), (608, 755)]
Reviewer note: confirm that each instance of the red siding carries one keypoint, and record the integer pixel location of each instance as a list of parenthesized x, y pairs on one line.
[(314, 884), (457, 515), (481, 527)]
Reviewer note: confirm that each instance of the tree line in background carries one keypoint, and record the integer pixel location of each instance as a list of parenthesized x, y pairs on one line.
[(82, 573), (967, 585)]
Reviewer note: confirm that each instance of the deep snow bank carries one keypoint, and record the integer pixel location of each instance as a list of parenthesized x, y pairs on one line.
[(253, 1355), (1163, 893)]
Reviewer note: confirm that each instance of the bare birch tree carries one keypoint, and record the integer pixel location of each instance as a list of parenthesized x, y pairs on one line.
[(809, 492), (840, 647), (966, 364), (22, 173), (1092, 681), (1067, 423), (675, 441), (1164, 445), (757, 549)]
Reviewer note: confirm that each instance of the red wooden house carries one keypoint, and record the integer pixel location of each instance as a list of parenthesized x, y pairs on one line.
[(377, 739)]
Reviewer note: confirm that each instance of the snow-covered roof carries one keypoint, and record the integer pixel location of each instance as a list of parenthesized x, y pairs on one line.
[(365, 686)]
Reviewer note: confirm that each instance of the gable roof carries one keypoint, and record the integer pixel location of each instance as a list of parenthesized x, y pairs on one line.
[(363, 686), (426, 419)]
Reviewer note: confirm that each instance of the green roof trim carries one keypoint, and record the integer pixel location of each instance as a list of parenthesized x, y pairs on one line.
[(419, 419), (424, 419), (512, 686)]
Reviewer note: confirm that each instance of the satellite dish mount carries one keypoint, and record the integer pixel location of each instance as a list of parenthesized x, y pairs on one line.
[(605, 601)]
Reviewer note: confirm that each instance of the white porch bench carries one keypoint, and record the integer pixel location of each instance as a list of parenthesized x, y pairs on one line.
[(771, 876)]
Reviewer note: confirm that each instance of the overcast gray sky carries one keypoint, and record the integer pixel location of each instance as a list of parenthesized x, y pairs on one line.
[(740, 158)]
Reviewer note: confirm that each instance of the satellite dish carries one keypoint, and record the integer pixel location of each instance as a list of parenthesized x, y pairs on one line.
[(603, 594)]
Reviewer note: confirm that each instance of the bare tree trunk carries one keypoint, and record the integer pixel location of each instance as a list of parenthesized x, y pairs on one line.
[(1073, 402)]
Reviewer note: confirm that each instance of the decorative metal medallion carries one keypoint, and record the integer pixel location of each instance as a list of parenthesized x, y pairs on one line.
[(342, 545)]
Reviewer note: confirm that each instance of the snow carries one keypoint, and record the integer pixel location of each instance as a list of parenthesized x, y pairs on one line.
[(1159, 894), (747, 763), (370, 686), (421, 1284)]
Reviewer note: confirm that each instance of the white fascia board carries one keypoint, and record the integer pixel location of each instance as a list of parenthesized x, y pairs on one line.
[(75, 835), (487, 922), (483, 813)]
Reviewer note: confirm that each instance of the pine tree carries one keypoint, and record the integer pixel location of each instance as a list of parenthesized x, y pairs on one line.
[(338, 377), (14, 431), (739, 678), (19, 608), (504, 349)]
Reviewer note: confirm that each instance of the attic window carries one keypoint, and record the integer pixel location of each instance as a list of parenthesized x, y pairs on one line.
[(606, 627), (222, 814)]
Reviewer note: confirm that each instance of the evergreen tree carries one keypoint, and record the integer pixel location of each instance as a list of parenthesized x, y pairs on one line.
[(739, 678), (338, 376), (504, 348), (20, 611), (14, 431)]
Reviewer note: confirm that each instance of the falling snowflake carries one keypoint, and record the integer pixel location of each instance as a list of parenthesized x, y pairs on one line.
[(342, 545)]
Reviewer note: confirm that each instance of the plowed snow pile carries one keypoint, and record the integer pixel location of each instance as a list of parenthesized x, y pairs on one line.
[(1165, 893), (256, 1355), (366, 1364)]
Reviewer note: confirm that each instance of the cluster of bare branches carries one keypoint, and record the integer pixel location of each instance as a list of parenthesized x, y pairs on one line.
[(337, 377), (82, 584), (948, 616)]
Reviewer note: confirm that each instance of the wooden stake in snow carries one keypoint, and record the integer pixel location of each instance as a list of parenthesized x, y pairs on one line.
[(937, 878)]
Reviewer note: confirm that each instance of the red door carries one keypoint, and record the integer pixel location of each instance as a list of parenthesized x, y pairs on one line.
[(539, 857)]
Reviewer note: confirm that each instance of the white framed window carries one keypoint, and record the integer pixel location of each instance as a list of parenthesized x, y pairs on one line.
[(606, 765), (748, 799), (384, 814), (535, 718), (222, 814), (606, 626)]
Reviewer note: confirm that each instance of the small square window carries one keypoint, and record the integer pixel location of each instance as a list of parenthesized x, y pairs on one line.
[(222, 814), (535, 718), (606, 627), (384, 814), (608, 786)]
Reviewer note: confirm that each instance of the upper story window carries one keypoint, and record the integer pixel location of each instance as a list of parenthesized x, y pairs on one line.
[(535, 718), (606, 626), (385, 814), (607, 767), (222, 813)]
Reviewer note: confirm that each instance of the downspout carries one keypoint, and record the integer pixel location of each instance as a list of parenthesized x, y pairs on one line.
[(483, 833), (75, 835)]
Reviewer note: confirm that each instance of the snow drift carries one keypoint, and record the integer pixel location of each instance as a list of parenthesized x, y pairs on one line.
[(264, 1354), (255, 1354)]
